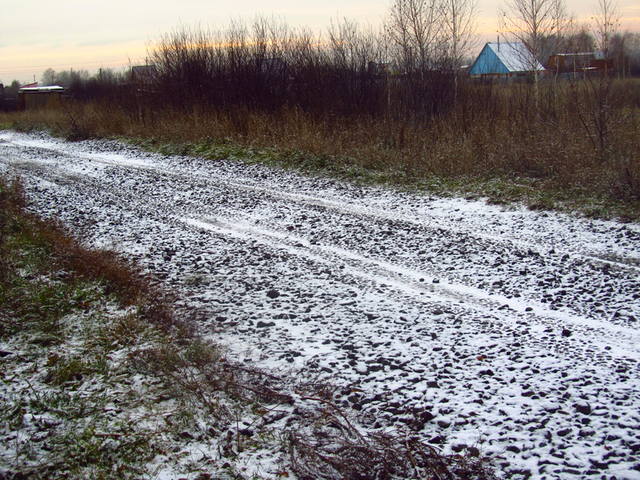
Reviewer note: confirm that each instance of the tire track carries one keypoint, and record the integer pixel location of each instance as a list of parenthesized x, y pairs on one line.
[(341, 205), (332, 287)]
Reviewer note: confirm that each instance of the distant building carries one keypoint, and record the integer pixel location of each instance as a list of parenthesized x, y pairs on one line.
[(505, 60), (578, 64), (30, 97)]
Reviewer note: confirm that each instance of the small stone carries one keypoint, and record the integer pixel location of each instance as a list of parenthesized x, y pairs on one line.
[(583, 408), (424, 417), (262, 324), (566, 332), (273, 294), (599, 465)]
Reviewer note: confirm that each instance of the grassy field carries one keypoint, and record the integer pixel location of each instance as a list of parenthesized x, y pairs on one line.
[(574, 154), (94, 367)]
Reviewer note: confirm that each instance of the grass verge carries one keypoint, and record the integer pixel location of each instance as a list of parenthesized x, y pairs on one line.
[(534, 193), (102, 379), (554, 168)]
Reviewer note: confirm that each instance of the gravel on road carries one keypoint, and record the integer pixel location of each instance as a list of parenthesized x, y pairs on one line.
[(475, 325)]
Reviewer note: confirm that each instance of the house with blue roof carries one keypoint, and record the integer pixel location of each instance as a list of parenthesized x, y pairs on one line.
[(504, 60)]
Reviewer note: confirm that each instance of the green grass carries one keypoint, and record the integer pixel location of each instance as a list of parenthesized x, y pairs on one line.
[(60, 330)]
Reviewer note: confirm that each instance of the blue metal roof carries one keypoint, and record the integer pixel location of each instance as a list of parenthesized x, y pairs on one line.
[(504, 58)]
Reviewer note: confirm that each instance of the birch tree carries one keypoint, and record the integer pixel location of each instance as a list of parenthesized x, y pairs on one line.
[(415, 28), (606, 23), (459, 29), (539, 24)]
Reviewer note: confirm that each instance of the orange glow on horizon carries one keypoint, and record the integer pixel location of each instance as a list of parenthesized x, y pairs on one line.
[(22, 63)]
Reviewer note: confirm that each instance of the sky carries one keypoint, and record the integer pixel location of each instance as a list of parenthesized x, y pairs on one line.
[(90, 34)]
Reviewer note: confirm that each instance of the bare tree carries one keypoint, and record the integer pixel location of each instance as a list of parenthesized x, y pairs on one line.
[(632, 46), (539, 24), (48, 77), (606, 22), (459, 28), (579, 39), (416, 29), (458, 20), (598, 119)]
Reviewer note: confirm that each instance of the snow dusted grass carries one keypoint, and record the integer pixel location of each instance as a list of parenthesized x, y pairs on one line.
[(77, 399), (101, 380), (60, 382)]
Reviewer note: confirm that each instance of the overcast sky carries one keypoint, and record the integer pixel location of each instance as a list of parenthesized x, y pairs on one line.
[(89, 34)]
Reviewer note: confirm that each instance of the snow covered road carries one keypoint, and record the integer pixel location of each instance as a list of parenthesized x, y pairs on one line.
[(476, 325)]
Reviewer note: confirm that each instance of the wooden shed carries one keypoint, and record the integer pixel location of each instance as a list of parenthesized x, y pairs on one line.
[(30, 98), (579, 64)]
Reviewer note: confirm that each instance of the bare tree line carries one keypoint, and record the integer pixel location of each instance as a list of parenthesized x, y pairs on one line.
[(268, 65), (409, 70)]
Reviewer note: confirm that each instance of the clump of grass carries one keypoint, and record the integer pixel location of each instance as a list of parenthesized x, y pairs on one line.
[(67, 369), (341, 455)]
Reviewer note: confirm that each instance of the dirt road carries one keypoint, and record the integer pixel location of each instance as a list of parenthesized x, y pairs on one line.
[(476, 325)]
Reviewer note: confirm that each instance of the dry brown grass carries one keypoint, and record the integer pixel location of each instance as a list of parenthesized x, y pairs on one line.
[(563, 145)]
